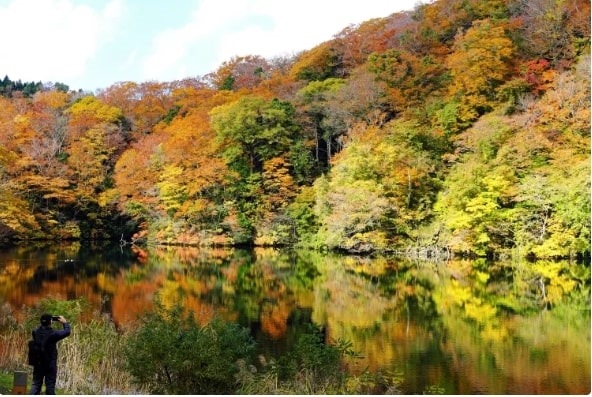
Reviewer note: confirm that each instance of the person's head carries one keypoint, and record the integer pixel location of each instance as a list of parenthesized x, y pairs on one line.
[(45, 319)]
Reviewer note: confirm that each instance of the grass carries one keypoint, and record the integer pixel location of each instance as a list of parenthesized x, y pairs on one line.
[(88, 360), (7, 383)]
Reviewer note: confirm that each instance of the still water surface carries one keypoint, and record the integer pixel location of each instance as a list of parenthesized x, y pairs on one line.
[(461, 327)]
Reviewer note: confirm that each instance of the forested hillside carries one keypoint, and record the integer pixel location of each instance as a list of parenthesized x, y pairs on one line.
[(463, 125)]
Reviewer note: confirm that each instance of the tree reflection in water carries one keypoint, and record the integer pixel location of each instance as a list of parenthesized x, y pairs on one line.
[(464, 326)]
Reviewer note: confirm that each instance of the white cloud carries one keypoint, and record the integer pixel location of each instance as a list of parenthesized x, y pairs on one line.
[(52, 40), (129, 61), (221, 29), (110, 18), (114, 9), (169, 48), (85, 43)]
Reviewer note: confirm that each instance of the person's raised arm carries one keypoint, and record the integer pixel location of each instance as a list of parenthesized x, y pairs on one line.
[(66, 331)]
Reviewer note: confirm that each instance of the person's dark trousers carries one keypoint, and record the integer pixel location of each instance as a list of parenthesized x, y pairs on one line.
[(50, 374)]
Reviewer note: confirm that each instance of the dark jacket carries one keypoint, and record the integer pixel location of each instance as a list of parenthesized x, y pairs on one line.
[(56, 336)]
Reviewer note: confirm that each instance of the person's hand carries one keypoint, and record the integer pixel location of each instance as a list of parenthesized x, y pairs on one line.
[(62, 320)]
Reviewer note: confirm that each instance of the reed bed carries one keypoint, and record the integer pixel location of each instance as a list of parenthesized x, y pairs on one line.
[(89, 361)]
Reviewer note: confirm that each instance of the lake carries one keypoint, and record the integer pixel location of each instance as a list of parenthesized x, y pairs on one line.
[(456, 327)]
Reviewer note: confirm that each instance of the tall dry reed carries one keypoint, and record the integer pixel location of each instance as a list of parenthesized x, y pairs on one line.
[(89, 361), (13, 341)]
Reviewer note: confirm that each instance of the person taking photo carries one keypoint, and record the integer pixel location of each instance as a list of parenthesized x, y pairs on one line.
[(47, 369)]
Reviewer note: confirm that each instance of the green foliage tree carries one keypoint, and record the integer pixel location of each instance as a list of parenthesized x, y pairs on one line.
[(253, 130), (28, 89), (312, 108), (301, 212), (253, 135), (171, 353)]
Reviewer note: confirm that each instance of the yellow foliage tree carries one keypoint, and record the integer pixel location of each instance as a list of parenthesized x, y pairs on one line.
[(480, 62)]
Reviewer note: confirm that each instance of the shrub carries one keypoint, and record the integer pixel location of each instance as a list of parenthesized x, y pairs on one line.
[(312, 355), (170, 353), (313, 366)]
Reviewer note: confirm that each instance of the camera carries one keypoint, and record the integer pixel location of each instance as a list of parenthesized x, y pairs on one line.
[(55, 318)]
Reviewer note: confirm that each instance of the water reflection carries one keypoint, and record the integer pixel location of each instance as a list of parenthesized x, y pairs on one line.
[(463, 327)]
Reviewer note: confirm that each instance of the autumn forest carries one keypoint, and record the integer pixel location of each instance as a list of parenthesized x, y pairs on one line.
[(460, 127)]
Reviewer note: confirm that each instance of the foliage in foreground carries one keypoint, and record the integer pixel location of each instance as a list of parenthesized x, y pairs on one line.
[(313, 367), (170, 353)]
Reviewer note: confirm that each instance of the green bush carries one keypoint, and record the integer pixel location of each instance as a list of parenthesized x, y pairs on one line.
[(170, 353), (313, 366), (313, 355), (70, 309)]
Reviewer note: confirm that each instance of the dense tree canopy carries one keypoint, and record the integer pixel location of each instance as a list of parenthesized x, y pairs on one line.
[(460, 125)]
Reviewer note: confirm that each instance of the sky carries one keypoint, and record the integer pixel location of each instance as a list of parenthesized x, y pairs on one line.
[(92, 44)]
